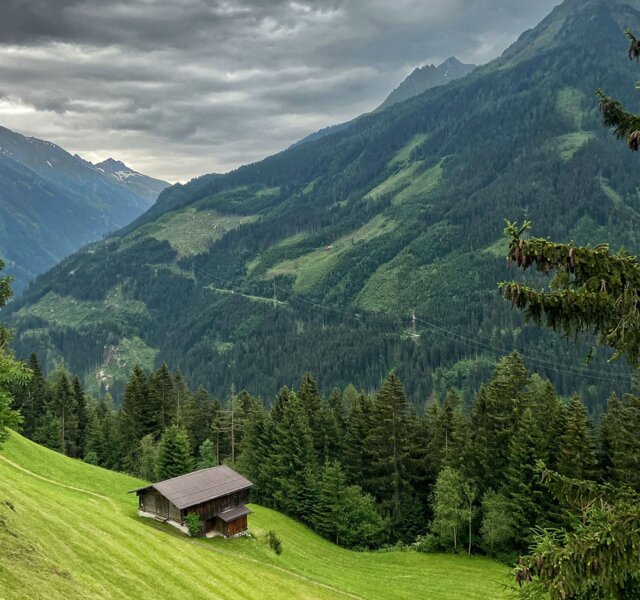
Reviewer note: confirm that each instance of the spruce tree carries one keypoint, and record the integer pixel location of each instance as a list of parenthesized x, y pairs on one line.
[(64, 407), (521, 485), (134, 420), (355, 458), (81, 410), (292, 464), (312, 403), (434, 422), (277, 411), (255, 450), (626, 442), (174, 457), (577, 453), (458, 455), (162, 398), (493, 416), (389, 446), (609, 438), (328, 505)]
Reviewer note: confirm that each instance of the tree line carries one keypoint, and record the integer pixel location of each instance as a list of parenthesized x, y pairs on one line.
[(361, 469)]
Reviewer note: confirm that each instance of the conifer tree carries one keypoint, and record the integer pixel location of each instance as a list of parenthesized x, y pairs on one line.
[(94, 443), (550, 413), (389, 446), (434, 423), (134, 420), (277, 411), (521, 485), (174, 457), (339, 411), (493, 416), (292, 465), (162, 398), (64, 407), (356, 459), (255, 455), (449, 407), (625, 424), (81, 410), (577, 453), (331, 488), (312, 403), (609, 438), (458, 454)]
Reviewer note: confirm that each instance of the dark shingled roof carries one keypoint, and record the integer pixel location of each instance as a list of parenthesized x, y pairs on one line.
[(234, 513), (200, 486)]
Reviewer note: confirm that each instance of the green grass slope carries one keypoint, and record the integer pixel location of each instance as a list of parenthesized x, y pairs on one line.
[(69, 530)]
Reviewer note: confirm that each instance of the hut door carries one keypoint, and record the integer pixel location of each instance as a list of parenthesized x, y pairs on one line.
[(162, 507)]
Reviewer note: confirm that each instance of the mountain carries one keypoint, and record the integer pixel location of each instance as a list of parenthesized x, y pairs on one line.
[(425, 78), (318, 257), (70, 531), (143, 185), (52, 203), (420, 80)]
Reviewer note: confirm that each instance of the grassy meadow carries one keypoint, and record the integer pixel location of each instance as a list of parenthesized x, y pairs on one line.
[(69, 530)]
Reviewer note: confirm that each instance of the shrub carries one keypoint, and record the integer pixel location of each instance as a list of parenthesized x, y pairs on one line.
[(274, 542), (427, 543), (193, 524), (91, 457)]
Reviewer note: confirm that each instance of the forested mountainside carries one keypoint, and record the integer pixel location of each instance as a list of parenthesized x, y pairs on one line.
[(53, 203), (317, 258)]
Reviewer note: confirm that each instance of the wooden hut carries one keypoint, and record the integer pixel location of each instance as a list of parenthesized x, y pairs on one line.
[(217, 495)]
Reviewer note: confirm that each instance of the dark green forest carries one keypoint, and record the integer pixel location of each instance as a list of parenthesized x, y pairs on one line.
[(364, 470), (346, 237)]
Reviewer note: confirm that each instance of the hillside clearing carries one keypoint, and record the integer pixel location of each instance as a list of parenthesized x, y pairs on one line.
[(70, 530)]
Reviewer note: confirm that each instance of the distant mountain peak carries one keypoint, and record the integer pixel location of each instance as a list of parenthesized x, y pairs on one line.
[(423, 78), (143, 185), (111, 165)]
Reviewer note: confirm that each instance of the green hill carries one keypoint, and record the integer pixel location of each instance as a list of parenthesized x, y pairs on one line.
[(315, 258), (69, 530)]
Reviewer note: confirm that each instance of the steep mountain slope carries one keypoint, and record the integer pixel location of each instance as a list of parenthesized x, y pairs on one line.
[(419, 81), (143, 185), (425, 78), (317, 257), (52, 203), (69, 530)]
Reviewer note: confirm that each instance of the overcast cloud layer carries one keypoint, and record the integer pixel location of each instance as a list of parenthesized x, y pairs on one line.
[(178, 88)]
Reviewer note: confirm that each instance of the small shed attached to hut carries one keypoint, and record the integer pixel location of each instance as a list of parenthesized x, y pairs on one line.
[(217, 495)]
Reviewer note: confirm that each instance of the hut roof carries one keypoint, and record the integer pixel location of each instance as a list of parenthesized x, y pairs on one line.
[(234, 513), (200, 486)]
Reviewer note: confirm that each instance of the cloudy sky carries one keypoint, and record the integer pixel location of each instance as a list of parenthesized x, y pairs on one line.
[(178, 88)]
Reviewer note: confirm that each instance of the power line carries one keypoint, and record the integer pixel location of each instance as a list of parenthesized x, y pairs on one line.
[(444, 332)]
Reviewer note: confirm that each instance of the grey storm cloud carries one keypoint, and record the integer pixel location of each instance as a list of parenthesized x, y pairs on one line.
[(178, 88)]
